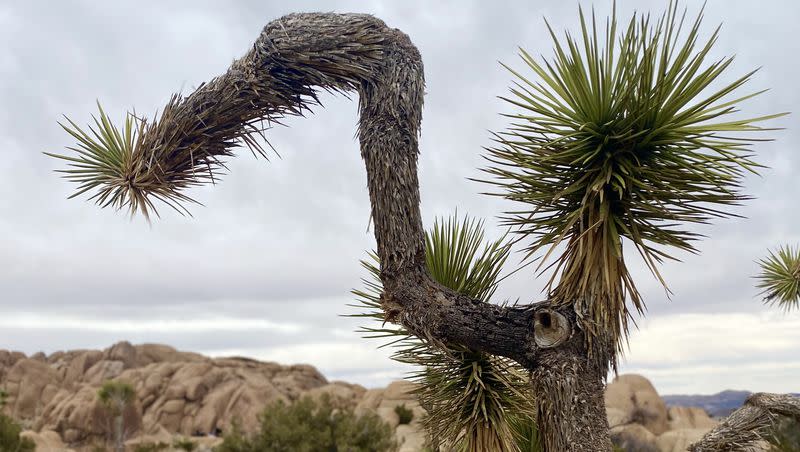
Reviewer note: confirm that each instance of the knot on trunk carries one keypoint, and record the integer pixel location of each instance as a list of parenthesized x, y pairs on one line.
[(550, 328)]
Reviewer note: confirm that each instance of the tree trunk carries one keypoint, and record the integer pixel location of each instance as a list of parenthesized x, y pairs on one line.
[(354, 52), (569, 389), (119, 443)]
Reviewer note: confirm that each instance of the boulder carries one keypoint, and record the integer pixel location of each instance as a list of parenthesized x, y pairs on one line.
[(411, 438), (617, 416), (637, 401), (46, 441), (103, 371), (75, 369), (679, 440), (634, 437), (30, 384), (123, 352), (681, 417), (344, 395), (370, 401), (383, 402), (76, 416)]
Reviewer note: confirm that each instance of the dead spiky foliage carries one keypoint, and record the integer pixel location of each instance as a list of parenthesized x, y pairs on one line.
[(779, 279), (621, 138), (471, 397)]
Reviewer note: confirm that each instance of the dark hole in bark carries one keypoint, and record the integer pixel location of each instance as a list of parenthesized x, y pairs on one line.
[(545, 320)]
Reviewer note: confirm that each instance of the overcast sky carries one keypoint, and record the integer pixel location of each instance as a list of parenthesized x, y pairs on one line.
[(265, 268)]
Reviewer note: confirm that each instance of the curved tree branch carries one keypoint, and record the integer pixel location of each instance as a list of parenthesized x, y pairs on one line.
[(294, 56), (750, 424)]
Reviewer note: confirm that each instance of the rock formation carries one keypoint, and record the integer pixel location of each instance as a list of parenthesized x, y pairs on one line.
[(179, 393), (639, 418), (176, 392)]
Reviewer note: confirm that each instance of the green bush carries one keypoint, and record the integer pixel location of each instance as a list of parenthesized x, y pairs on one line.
[(184, 444), (404, 414), (10, 441), (310, 425), (151, 447)]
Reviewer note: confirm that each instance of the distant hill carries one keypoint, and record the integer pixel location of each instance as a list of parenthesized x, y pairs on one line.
[(717, 405)]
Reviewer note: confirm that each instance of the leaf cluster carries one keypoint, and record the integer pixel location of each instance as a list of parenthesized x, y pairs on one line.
[(116, 395), (630, 133), (469, 396)]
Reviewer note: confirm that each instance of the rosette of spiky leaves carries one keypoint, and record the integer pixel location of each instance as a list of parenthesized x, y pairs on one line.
[(779, 279), (142, 162), (627, 134), (470, 396), (105, 162)]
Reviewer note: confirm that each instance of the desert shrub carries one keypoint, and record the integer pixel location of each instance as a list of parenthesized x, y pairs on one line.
[(184, 444), (786, 436), (310, 425), (404, 414), (10, 439), (151, 447)]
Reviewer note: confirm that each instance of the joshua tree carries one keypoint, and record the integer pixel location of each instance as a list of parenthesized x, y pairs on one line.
[(116, 397), (619, 143), (780, 278)]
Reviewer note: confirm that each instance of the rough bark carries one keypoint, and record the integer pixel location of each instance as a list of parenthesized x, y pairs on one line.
[(750, 424)]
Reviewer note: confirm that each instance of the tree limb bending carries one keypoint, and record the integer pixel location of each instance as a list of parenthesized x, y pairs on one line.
[(750, 424), (294, 57)]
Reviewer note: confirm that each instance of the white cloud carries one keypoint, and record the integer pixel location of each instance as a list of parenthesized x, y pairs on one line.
[(183, 325), (709, 352)]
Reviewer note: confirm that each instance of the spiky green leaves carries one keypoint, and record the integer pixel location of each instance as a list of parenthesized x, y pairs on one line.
[(626, 133), (103, 157), (108, 160), (779, 279), (471, 397), (116, 395)]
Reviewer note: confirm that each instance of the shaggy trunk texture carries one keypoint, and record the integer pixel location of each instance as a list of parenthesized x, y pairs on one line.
[(299, 53)]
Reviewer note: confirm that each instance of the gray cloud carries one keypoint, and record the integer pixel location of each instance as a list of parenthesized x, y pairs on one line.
[(275, 239)]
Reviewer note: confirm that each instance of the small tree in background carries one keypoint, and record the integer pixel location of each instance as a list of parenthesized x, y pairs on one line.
[(117, 397)]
